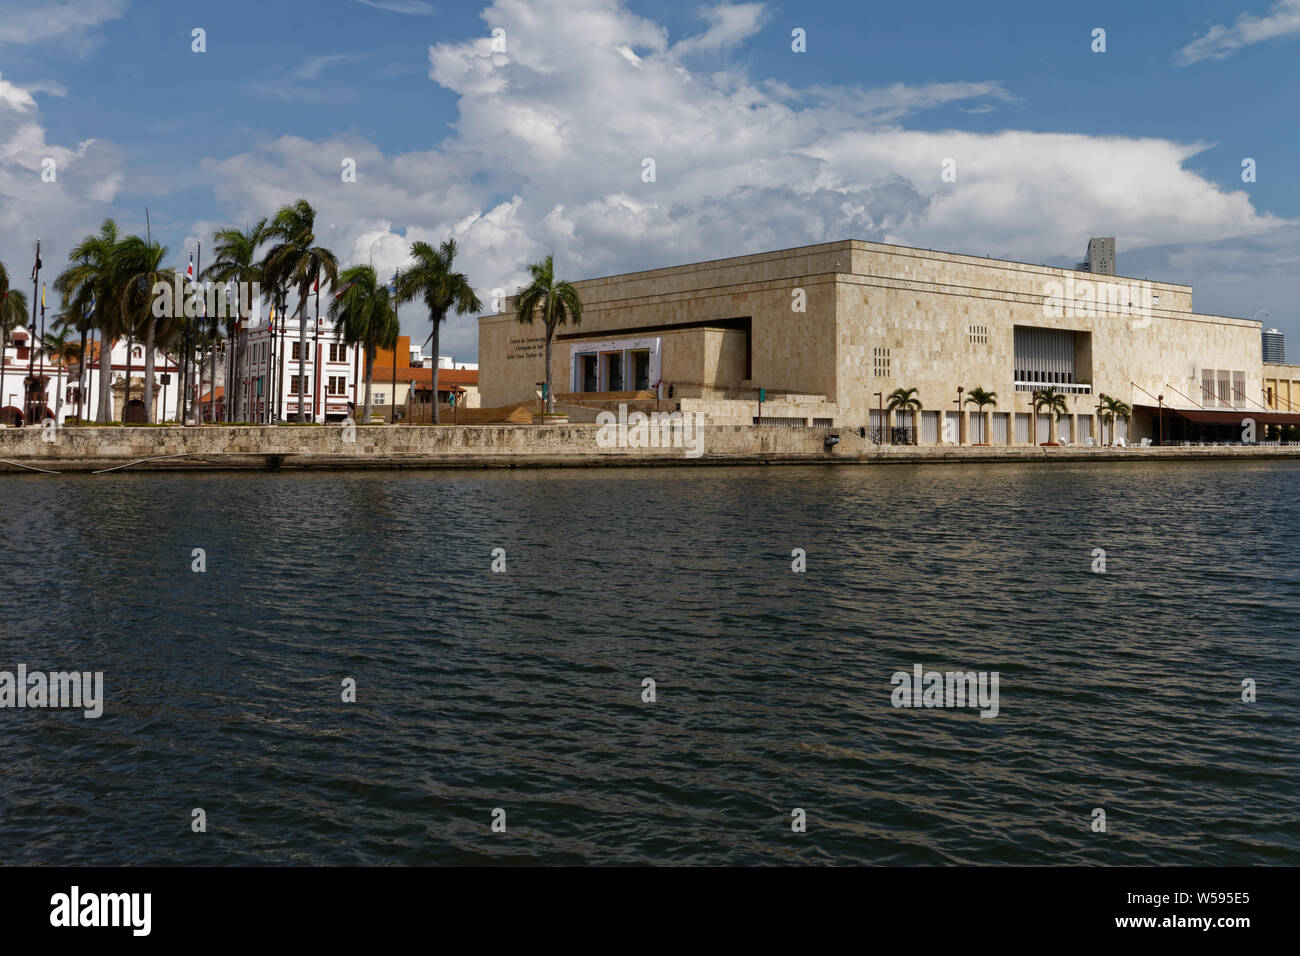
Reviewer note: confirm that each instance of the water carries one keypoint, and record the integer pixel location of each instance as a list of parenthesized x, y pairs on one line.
[(522, 690)]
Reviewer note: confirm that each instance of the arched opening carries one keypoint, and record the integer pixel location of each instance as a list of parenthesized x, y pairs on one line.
[(11, 416)]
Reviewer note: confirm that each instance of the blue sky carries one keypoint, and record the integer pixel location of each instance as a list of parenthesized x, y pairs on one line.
[(540, 147)]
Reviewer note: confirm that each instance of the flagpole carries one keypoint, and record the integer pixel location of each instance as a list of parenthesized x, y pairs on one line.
[(31, 332), (42, 341)]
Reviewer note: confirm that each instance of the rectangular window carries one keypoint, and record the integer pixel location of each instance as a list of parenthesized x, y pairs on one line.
[(1225, 387), (880, 363), (379, 398), (587, 373), (1207, 387), (979, 334), (640, 361)]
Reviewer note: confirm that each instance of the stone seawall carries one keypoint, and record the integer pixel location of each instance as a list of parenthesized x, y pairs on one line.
[(80, 449)]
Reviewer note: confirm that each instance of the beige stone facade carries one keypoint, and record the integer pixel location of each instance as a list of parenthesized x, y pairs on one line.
[(830, 330)]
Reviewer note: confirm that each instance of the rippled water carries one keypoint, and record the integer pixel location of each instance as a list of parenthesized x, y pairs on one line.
[(522, 690)]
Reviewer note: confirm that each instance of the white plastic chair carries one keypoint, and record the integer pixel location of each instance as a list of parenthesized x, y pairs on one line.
[(1120, 443)]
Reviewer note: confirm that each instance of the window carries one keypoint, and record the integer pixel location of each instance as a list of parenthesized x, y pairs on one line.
[(379, 398), (979, 334), (640, 369), (587, 373), (338, 353), (295, 382), (880, 363), (294, 354)]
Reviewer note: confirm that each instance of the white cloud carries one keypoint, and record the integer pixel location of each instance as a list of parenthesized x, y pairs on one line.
[(1220, 42), (411, 7), (548, 146), (312, 68), (73, 21)]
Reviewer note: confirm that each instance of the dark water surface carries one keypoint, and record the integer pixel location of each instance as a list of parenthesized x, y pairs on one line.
[(522, 690)]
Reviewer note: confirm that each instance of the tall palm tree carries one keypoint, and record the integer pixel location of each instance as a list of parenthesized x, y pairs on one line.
[(139, 269), (90, 280), (363, 316), (443, 290), (1112, 409), (62, 350), (236, 261), (557, 302), (294, 260), (13, 313), (904, 400), (979, 398), (1052, 402)]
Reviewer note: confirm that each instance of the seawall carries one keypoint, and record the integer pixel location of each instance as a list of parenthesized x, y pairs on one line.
[(211, 447)]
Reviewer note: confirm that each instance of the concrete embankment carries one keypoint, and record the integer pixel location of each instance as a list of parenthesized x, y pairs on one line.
[(81, 449)]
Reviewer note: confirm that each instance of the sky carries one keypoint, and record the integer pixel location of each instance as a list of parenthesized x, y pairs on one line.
[(536, 141)]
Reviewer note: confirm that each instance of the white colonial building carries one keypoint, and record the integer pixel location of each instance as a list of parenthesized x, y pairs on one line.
[(62, 392), (268, 386)]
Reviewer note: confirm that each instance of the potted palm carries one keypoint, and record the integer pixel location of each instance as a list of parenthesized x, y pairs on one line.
[(979, 398), (905, 400), (1052, 402)]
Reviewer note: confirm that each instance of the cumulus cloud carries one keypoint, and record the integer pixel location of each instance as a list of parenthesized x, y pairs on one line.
[(1219, 42), (553, 131), (87, 178)]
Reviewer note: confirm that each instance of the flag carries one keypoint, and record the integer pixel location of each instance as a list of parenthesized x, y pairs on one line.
[(92, 304), (339, 292), (392, 284), (315, 286), (37, 268), (42, 295), (189, 270)]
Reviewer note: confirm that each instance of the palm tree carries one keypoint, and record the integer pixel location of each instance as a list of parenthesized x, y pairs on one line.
[(89, 281), (139, 269), (363, 316), (1112, 409), (62, 352), (236, 261), (431, 278), (979, 398), (904, 400), (13, 313), (1052, 402), (557, 301), (295, 260)]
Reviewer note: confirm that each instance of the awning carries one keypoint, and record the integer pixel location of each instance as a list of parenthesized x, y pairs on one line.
[(1205, 416)]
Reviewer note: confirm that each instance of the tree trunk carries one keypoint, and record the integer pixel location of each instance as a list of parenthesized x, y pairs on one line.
[(370, 372), (81, 370), (4, 345), (302, 353), (212, 384), (546, 372), (149, 331), (126, 392), (436, 322), (105, 368)]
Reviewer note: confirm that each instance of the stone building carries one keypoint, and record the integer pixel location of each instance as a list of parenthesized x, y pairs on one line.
[(825, 333)]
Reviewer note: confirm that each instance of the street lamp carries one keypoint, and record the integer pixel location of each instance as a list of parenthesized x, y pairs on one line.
[(881, 396), (1160, 401), (1101, 398)]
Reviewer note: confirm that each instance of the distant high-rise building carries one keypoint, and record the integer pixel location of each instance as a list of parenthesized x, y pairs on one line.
[(1274, 347), (1100, 257)]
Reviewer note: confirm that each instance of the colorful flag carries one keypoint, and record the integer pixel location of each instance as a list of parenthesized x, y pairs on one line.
[(339, 292), (42, 295), (37, 268)]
